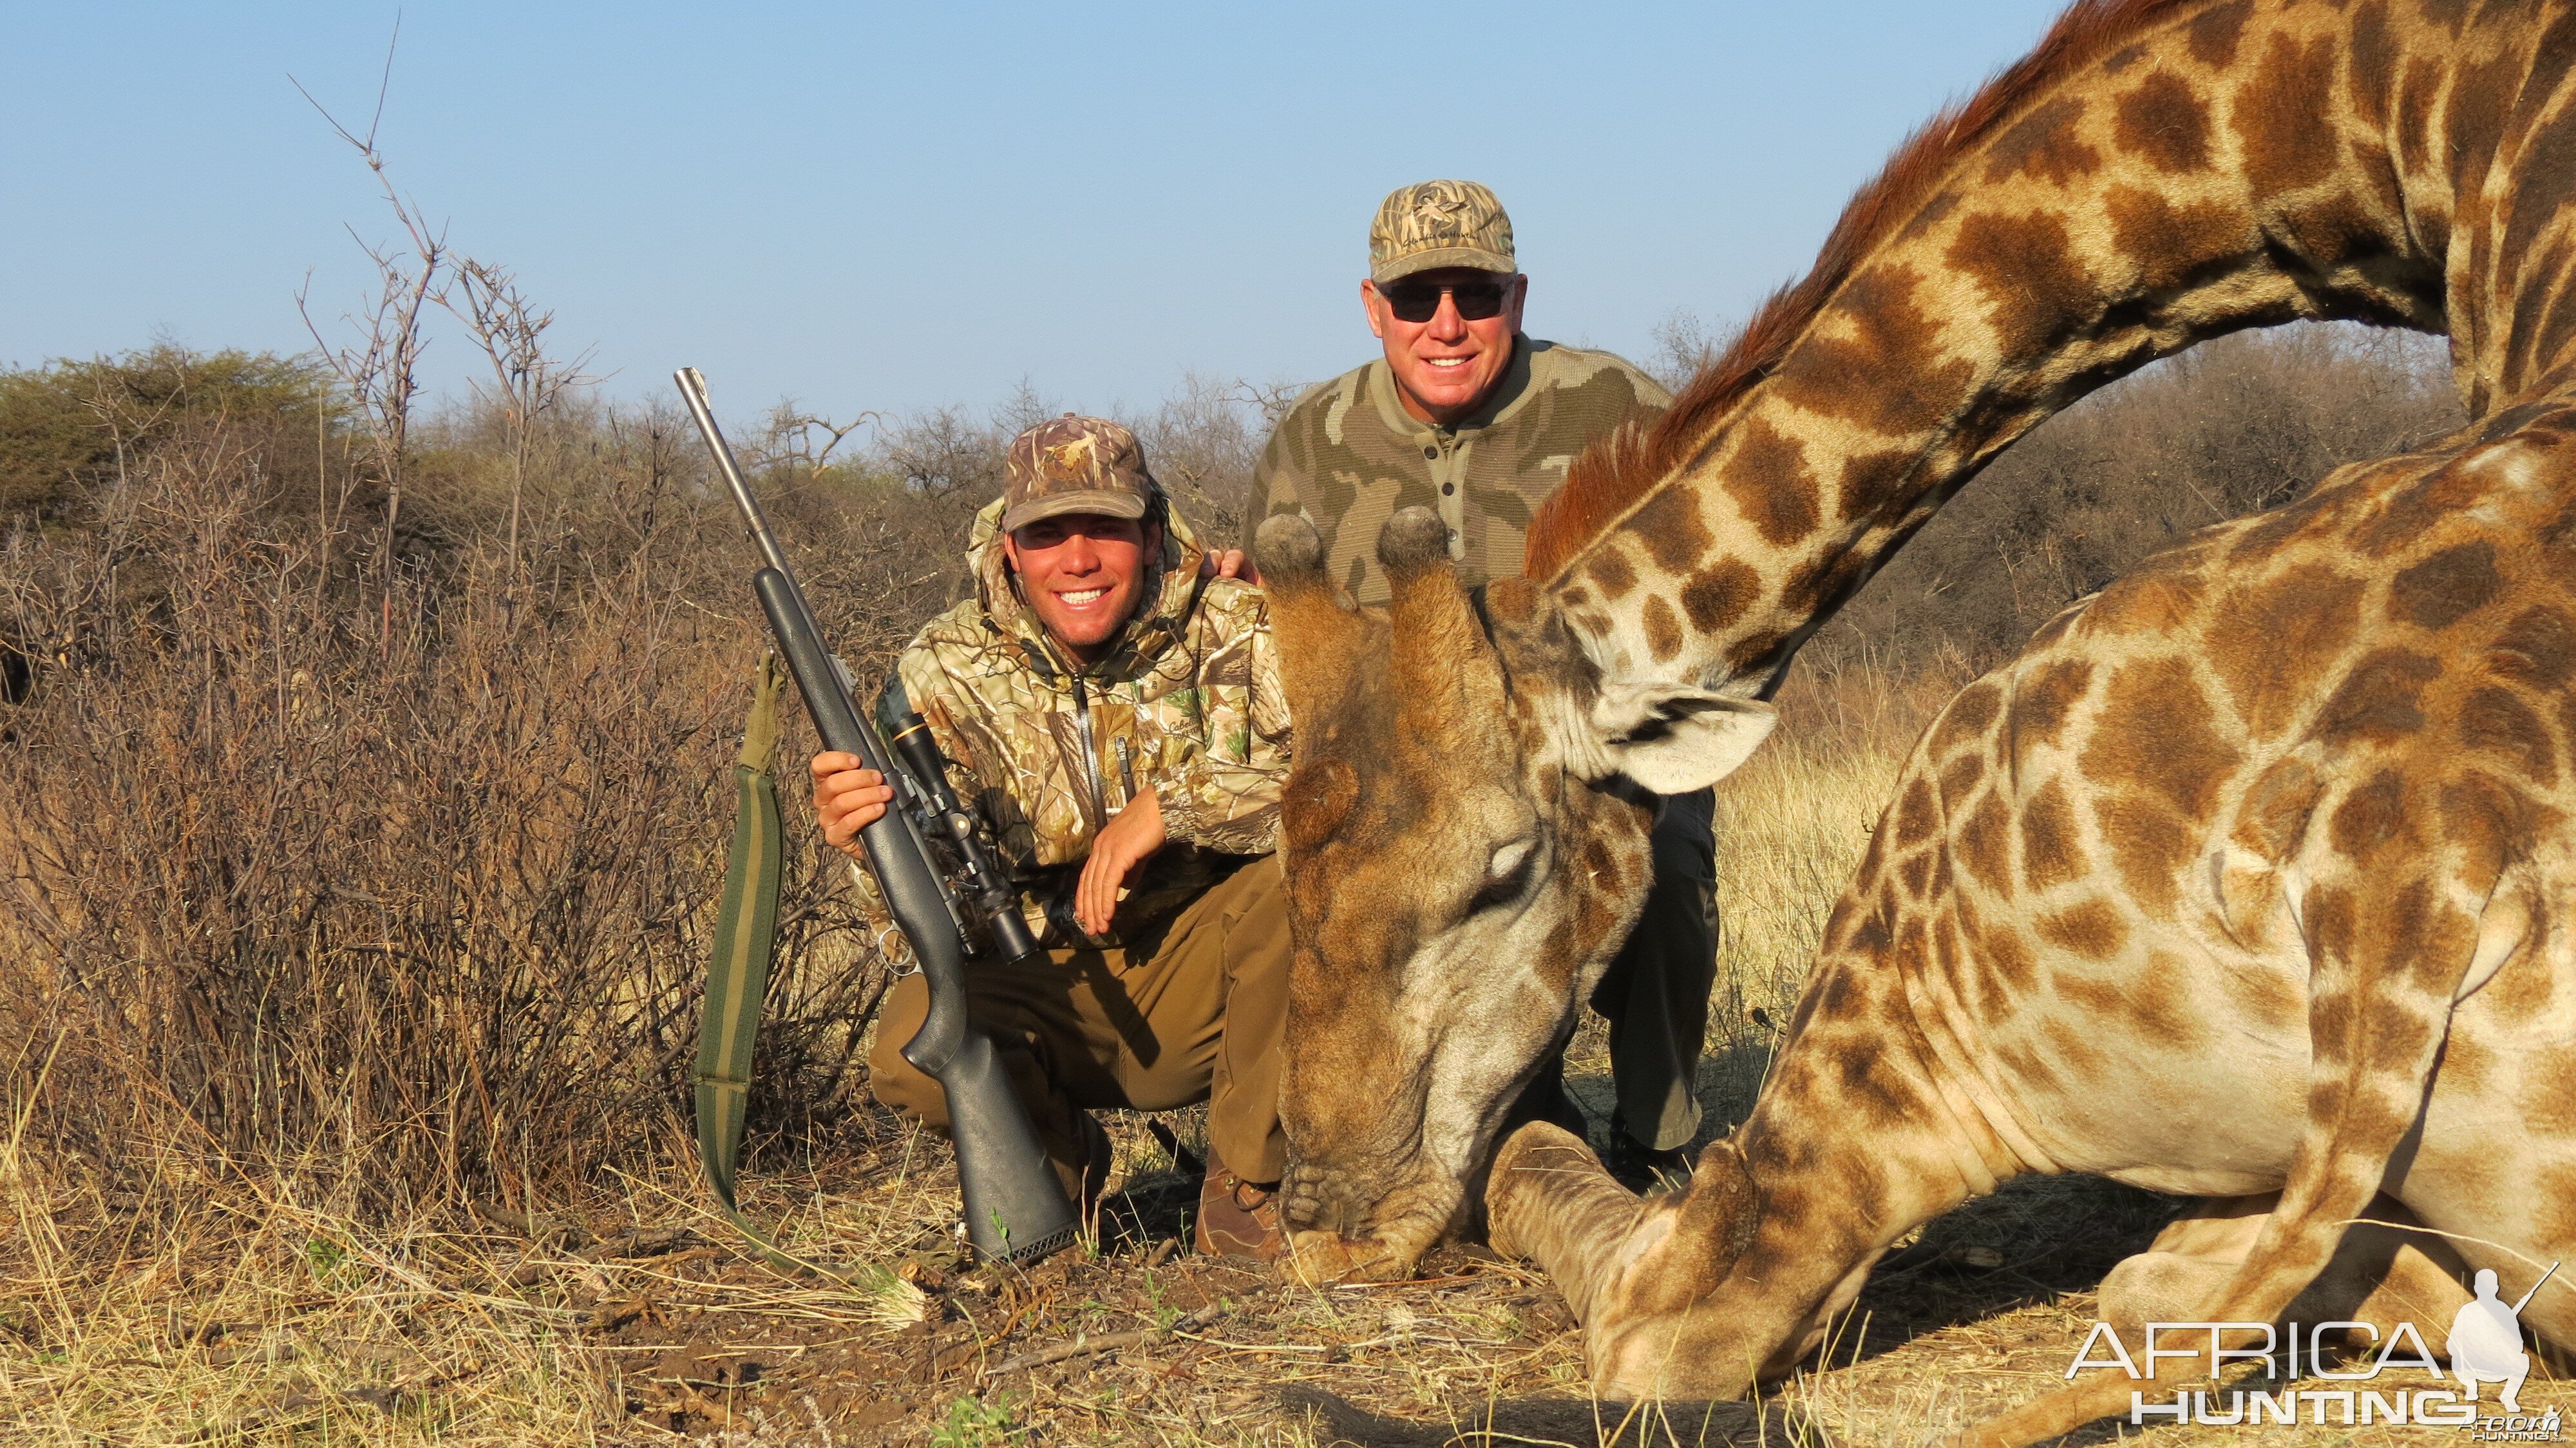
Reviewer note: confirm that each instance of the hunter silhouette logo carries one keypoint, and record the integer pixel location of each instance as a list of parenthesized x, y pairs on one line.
[(2485, 1347), (2486, 1341)]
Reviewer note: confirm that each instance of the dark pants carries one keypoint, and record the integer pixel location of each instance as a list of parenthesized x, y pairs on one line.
[(1655, 993)]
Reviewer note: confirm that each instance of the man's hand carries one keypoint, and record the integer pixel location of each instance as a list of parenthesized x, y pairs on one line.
[(1120, 849), (1229, 564), (849, 797)]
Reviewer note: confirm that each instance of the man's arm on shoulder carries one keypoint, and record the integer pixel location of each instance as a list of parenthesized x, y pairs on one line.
[(1612, 393), (1652, 399), (1591, 367)]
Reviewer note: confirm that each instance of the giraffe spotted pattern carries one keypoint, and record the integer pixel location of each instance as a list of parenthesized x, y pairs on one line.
[(2240, 882)]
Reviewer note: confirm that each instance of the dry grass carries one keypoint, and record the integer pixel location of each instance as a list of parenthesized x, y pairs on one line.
[(1792, 826)]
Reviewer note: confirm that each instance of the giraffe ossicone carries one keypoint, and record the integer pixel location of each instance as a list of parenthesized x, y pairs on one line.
[(2243, 882)]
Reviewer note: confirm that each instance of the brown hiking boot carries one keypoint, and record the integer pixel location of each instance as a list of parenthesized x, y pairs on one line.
[(1238, 1218)]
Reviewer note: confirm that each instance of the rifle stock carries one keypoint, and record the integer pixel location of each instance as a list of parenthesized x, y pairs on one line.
[(1016, 1209)]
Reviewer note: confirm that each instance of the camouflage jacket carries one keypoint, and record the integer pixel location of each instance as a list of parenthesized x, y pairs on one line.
[(1348, 456), (1188, 704)]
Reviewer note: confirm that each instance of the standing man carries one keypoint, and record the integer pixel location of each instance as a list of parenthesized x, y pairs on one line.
[(1110, 709), (1470, 418)]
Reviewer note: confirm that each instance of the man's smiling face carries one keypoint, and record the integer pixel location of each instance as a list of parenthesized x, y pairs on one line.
[(1082, 574), (1447, 364)]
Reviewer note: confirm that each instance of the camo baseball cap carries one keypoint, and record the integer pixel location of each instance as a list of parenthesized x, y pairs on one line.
[(1439, 223), (1075, 465)]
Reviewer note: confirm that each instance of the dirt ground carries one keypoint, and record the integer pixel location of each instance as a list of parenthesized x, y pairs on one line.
[(1145, 1343), (640, 1318), (1984, 1312)]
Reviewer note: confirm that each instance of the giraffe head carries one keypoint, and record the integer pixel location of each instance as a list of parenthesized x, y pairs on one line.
[(1465, 836)]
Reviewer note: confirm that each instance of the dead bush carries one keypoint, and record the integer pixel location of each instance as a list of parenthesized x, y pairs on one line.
[(406, 885)]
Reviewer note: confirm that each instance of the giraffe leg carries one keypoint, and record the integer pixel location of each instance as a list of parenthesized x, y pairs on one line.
[(2185, 1268), (2418, 1283), (1631, 1269), (2388, 948), (2382, 1273), (1550, 1200)]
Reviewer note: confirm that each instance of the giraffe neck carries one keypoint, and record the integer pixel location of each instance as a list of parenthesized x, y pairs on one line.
[(2218, 166)]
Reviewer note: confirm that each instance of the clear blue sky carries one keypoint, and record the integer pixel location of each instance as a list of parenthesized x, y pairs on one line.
[(901, 207)]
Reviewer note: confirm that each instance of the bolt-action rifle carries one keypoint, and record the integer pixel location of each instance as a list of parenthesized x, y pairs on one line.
[(1015, 1208)]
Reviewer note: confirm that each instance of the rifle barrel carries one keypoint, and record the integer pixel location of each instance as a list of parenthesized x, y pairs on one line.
[(2535, 1289), (693, 391)]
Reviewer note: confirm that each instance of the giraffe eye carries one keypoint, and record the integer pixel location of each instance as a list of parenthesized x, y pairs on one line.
[(1506, 875)]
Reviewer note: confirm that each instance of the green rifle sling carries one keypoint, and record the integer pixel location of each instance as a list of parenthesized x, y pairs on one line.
[(738, 970)]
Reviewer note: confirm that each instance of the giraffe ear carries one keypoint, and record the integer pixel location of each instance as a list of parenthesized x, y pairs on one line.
[(1673, 739)]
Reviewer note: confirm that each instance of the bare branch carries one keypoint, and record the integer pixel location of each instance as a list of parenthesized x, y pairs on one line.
[(527, 383), (381, 370), (384, 83)]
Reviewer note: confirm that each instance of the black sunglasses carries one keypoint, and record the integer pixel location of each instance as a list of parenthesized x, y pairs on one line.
[(1420, 301)]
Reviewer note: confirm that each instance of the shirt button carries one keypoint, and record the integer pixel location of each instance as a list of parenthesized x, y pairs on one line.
[(1431, 452), (1447, 488)]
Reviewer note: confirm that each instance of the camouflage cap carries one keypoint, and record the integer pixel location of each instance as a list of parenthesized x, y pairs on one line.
[(1439, 223), (1076, 465)]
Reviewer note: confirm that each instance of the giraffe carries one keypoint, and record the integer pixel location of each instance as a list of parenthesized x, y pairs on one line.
[(1464, 828), (2240, 882)]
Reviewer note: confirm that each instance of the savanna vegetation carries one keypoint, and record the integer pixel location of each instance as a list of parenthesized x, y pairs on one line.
[(364, 781)]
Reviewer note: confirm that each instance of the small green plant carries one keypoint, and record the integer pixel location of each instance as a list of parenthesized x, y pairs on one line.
[(974, 1423), (1163, 1313), (324, 1258)]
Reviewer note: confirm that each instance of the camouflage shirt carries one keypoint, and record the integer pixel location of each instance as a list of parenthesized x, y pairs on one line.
[(1348, 455), (1188, 704)]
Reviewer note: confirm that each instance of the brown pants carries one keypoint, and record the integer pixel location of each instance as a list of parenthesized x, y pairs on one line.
[(1189, 1012)]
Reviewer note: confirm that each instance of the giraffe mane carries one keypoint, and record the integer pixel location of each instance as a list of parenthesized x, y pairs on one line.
[(1617, 473)]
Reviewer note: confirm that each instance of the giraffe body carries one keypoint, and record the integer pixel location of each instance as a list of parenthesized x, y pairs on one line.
[(2244, 879), (2257, 855)]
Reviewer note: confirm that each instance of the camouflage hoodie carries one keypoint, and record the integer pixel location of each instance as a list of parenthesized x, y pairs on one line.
[(1188, 703)]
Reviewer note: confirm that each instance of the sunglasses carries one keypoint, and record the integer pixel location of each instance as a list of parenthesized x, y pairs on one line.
[(1420, 301)]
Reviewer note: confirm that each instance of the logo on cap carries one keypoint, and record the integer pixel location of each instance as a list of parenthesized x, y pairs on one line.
[(1439, 223)]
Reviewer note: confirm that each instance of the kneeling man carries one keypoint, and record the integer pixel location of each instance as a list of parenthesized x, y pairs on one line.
[(1112, 712)]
